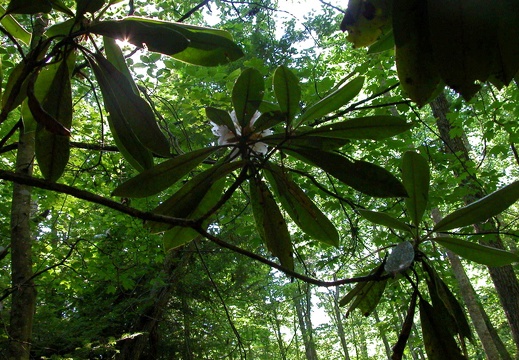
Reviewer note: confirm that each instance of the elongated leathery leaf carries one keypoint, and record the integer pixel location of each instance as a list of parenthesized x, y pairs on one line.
[(52, 148), (359, 286), (14, 28), (333, 101), (178, 236), (270, 223), (300, 208), (317, 142), (370, 127), (247, 94), (192, 44), (439, 344), (384, 219), (162, 176), (368, 297), (415, 176), (481, 210), (131, 148), (28, 7), (186, 200), (220, 117), (115, 56), (136, 111), (479, 253), (365, 177), (287, 91)]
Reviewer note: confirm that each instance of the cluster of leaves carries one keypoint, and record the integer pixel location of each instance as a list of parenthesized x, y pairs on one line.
[(445, 309), (456, 43), (200, 196), (40, 83)]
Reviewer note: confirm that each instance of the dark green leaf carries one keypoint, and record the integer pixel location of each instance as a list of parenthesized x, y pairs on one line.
[(385, 43), (307, 141), (368, 297), (481, 210), (300, 208), (178, 236), (371, 127), (287, 91), (14, 28), (384, 219), (190, 196), (136, 112), (365, 177), (88, 6), (333, 101), (359, 286), (270, 223), (115, 56), (439, 344), (247, 94), (220, 117), (162, 176), (268, 120), (60, 6), (415, 176), (479, 253), (407, 326), (28, 7)]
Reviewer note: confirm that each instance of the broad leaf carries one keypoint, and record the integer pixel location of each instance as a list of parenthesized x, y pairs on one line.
[(481, 210), (300, 208), (220, 117), (247, 95), (385, 43), (478, 253), (365, 21), (270, 223), (287, 91), (190, 196), (359, 286), (126, 140), (115, 56), (416, 177), (28, 7), (365, 177), (14, 28), (439, 344), (384, 219), (162, 176), (59, 5), (407, 326), (338, 98), (120, 98), (268, 120), (367, 299), (371, 127), (307, 141)]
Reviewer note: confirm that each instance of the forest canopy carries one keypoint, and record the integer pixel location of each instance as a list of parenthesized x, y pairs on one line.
[(263, 180)]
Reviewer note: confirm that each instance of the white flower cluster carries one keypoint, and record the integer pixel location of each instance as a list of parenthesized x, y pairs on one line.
[(226, 136)]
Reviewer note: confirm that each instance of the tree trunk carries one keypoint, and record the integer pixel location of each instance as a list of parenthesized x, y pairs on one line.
[(383, 336), (339, 323), (303, 308), (135, 348), (23, 302), (476, 311), (504, 278)]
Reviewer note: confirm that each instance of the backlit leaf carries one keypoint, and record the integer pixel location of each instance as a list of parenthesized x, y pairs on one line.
[(220, 117), (300, 208), (365, 177), (287, 91), (416, 177), (163, 175), (270, 223), (333, 101), (368, 297), (384, 219), (481, 210), (247, 94), (371, 127), (478, 253), (14, 28)]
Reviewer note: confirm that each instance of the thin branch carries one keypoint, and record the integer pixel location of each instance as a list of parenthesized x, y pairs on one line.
[(193, 10)]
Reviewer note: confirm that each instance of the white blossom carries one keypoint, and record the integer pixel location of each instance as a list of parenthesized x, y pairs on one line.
[(227, 137)]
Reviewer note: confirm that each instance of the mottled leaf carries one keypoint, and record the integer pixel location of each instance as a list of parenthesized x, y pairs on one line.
[(478, 253)]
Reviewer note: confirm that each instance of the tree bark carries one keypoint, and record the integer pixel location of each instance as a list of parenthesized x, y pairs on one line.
[(504, 278), (339, 323), (23, 302), (303, 309), (476, 311)]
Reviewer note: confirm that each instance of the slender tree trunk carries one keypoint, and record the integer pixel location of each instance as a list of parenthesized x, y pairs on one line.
[(279, 335), (504, 278), (135, 348), (23, 302), (476, 311), (303, 310), (339, 323), (383, 336)]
